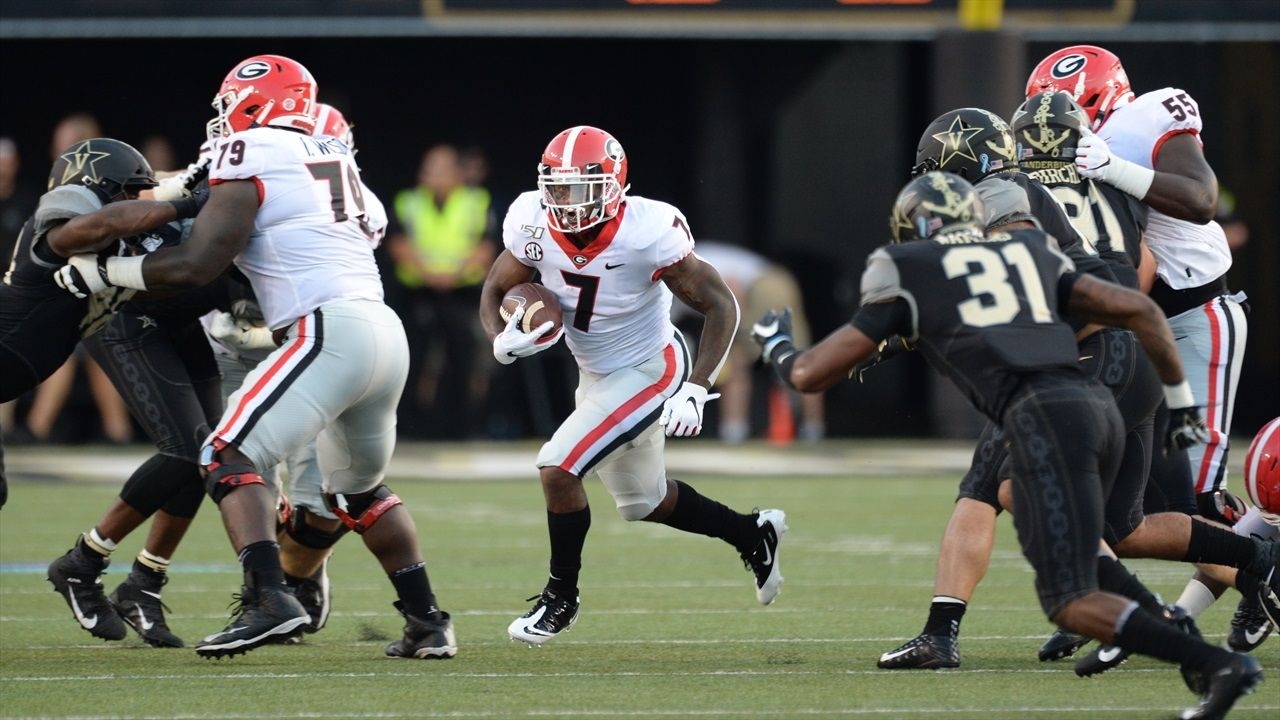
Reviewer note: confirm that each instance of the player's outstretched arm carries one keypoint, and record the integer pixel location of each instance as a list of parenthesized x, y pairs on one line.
[(505, 273), (220, 232), (94, 231), (699, 285)]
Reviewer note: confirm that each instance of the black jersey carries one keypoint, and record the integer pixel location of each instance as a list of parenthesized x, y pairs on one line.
[(1047, 211), (983, 309), (1109, 220)]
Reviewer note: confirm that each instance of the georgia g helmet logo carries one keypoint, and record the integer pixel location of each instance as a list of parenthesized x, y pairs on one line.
[(252, 70), (1068, 66), (613, 149)]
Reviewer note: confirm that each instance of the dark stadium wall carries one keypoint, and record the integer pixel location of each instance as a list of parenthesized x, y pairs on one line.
[(793, 148)]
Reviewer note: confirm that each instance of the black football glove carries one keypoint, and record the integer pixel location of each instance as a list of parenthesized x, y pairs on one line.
[(1221, 506), (772, 330), (1186, 428)]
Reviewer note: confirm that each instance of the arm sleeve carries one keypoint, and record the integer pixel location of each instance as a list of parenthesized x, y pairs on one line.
[(880, 320)]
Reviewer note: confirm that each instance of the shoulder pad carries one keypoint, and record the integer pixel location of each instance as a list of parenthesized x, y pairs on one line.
[(63, 203)]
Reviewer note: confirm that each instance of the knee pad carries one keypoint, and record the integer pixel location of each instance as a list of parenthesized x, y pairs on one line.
[(293, 522), (221, 478), (359, 511), (167, 482)]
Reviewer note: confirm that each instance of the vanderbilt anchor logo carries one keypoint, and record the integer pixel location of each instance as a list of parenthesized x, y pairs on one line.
[(533, 251), (953, 203), (1046, 143)]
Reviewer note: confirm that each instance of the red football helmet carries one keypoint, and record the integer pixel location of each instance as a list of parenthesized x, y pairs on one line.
[(330, 121), (1092, 76), (1262, 471), (265, 90), (583, 178)]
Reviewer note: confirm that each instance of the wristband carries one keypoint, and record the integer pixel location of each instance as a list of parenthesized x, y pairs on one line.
[(1130, 177), (126, 272), (1179, 396), (775, 347), (185, 207), (782, 366)]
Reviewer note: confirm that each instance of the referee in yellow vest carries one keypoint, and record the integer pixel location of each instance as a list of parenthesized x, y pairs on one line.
[(441, 254)]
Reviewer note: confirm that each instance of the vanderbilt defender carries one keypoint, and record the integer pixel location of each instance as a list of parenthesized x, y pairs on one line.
[(984, 310)]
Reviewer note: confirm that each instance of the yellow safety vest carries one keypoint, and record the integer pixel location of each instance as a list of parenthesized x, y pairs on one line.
[(443, 237)]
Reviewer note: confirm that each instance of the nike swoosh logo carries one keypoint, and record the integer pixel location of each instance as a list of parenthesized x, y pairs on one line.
[(1082, 358), (895, 653), (1108, 654), (88, 623), (1254, 637), (143, 622), (607, 266)]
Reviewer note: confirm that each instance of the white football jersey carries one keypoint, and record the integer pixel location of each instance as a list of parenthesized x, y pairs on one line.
[(1187, 255), (617, 311), (317, 222)]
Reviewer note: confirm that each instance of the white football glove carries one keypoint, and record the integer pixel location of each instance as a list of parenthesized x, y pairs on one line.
[(80, 276), (183, 184), (1095, 161), (240, 334), (682, 413), (511, 343)]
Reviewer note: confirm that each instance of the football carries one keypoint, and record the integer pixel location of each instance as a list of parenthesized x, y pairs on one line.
[(540, 306)]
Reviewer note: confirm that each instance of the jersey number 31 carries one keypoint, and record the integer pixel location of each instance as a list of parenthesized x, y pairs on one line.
[(993, 300)]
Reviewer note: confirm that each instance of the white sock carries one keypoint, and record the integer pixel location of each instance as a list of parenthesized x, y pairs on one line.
[(1195, 598)]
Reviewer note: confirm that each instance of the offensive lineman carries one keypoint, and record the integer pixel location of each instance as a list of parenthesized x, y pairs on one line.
[(290, 210), (613, 261)]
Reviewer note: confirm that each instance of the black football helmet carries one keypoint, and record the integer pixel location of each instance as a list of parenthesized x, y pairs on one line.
[(112, 169), (970, 142), (1048, 126), (936, 202)]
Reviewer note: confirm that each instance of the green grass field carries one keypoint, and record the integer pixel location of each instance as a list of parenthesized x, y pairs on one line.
[(669, 627)]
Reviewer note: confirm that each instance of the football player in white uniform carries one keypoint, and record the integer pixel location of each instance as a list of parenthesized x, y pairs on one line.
[(613, 261), (1149, 146), (291, 211)]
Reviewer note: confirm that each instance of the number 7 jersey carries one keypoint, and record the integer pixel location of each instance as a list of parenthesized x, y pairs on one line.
[(317, 223), (982, 309), (617, 311)]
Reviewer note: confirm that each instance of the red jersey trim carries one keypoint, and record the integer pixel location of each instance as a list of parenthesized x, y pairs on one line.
[(262, 190), (596, 246), (1160, 141)]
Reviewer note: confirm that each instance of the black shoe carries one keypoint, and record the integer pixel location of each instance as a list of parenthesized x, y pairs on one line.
[(138, 602), (259, 616), (763, 559), (1225, 686), (79, 581), (923, 652), (425, 639), (1267, 567), (314, 594), (1062, 644), (550, 616), (1249, 626), (1100, 660)]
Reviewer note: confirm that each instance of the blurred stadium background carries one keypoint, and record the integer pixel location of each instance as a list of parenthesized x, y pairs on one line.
[(785, 126)]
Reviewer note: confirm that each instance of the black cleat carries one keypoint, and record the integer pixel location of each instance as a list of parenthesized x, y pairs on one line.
[(1100, 660), (259, 616), (1062, 644), (763, 559), (79, 581), (1225, 685), (138, 602), (425, 639), (314, 594), (923, 652), (1249, 625), (550, 616), (1266, 566)]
